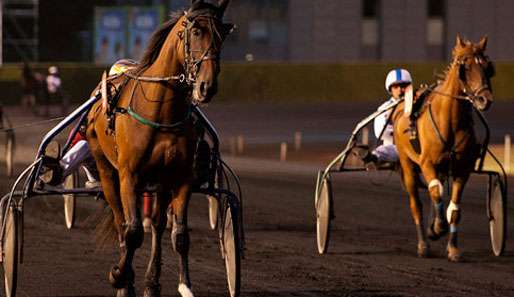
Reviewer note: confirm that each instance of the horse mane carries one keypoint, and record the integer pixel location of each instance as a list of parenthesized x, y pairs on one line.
[(157, 40), (458, 52)]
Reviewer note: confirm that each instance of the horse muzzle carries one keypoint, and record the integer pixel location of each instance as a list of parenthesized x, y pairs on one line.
[(483, 101), (203, 91)]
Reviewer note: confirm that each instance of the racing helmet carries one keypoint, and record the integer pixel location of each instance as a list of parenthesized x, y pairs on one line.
[(53, 70), (397, 76)]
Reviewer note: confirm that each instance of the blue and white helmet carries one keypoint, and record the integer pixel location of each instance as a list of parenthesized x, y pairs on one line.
[(397, 76)]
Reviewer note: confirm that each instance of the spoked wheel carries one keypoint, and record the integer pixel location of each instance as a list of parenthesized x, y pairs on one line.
[(323, 211), (497, 215), (9, 153), (70, 182), (231, 244), (10, 251)]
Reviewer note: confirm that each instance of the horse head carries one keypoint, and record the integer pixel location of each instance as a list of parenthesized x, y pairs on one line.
[(203, 34), (475, 71)]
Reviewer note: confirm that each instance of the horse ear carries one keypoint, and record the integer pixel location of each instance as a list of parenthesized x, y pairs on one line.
[(223, 5), (459, 42), (482, 44)]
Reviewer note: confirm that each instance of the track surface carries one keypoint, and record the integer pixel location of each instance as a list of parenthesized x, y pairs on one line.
[(372, 250)]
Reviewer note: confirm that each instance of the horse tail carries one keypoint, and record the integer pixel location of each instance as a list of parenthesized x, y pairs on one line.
[(106, 232)]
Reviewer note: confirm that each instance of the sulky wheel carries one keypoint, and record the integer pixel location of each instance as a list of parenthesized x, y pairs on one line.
[(497, 215), (213, 201), (231, 244), (323, 211), (70, 182), (213, 211), (10, 251)]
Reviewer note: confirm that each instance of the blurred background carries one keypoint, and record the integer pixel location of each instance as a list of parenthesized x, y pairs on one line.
[(327, 57), (293, 49)]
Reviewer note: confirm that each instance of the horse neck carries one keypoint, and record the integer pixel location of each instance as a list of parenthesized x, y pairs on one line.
[(448, 111), (172, 103)]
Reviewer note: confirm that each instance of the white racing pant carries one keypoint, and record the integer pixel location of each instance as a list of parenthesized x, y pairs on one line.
[(74, 157), (386, 153)]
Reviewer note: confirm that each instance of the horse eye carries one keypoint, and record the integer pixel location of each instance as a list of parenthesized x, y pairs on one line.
[(197, 32)]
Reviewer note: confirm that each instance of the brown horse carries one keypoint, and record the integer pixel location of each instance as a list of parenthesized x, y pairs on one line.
[(447, 140), (153, 142)]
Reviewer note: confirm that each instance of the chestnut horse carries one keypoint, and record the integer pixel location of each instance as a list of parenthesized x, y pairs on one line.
[(447, 140), (153, 141)]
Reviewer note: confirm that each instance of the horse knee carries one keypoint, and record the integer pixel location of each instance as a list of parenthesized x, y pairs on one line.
[(134, 234), (453, 213), (180, 238), (436, 188)]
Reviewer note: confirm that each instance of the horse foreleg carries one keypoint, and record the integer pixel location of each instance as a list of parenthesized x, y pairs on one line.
[(180, 237), (439, 225), (153, 271), (122, 275), (409, 178), (110, 186), (453, 217)]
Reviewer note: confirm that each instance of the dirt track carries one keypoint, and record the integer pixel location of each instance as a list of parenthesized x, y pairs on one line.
[(372, 249)]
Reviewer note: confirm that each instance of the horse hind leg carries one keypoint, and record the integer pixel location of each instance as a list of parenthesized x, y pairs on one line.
[(180, 237), (153, 271)]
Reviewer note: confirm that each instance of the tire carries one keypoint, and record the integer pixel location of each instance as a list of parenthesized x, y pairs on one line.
[(70, 182), (214, 202), (498, 215), (9, 153), (231, 246), (10, 252), (323, 211)]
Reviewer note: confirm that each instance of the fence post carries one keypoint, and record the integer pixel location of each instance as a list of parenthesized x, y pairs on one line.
[(283, 151), (507, 153)]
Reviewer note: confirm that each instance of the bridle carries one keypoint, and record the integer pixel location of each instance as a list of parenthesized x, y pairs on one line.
[(191, 65)]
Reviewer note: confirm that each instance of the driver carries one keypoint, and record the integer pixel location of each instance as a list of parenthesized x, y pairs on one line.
[(397, 80)]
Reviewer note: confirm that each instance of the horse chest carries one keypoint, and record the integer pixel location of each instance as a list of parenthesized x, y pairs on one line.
[(168, 151)]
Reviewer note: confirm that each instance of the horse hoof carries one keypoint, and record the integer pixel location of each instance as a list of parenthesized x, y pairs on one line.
[(126, 292), (115, 277), (454, 255), (152, 291), (185, 291), (438, 229), (423, 250)]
